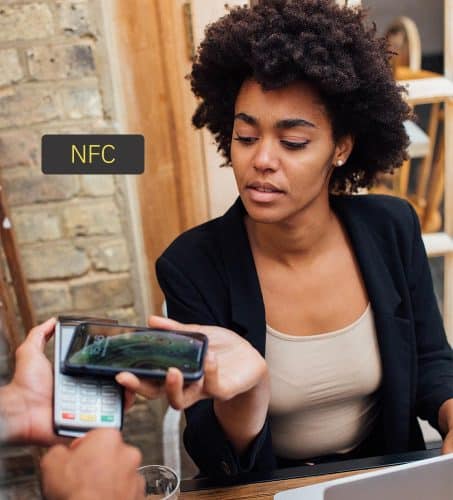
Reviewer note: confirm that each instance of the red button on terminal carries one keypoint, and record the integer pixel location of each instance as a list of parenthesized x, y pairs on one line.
[(68, 416)]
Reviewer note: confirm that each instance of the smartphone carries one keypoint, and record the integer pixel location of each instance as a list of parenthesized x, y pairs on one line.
[(105, 350), (82, 403)]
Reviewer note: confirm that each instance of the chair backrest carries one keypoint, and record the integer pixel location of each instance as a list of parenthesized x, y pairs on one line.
[(422, 187), (404, 39)]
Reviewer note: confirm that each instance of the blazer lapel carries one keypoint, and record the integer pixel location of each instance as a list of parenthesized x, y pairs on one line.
[(247, 306), (393, 332)]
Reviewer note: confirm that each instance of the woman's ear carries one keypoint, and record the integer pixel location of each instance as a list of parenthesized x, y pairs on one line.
[(343, 149)]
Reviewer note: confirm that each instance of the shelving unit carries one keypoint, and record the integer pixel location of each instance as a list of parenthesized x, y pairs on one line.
[(436, 90), (433, 89), (448, 198), (428, 90)]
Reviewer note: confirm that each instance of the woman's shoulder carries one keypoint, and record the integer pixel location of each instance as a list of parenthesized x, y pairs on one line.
[(198, 242), (377, 208), (208, 239)]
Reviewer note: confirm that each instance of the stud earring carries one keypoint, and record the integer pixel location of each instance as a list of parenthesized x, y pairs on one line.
[(339, 163)]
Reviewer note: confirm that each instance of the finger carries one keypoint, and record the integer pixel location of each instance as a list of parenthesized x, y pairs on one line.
[(140, 487), (447, 445), (146, 388), (211, 377), (171, 324), (210, 361), (129, 399), (133, 455), (212, 382), (102, 438), (39, 335), (56, 455), (174, 387), (194, 392), (75, 443)]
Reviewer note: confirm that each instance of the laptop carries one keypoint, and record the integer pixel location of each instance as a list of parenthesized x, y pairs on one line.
[(430, 479)]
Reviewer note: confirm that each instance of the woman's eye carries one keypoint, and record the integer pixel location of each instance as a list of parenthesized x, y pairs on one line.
[(245, 140), (294, 145)]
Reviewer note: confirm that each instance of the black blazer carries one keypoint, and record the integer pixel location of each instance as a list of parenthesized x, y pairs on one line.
[(208, 276)]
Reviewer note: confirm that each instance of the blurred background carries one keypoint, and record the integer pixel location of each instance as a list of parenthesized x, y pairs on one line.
[(87, 244)]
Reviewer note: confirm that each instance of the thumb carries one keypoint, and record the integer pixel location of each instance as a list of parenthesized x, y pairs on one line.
[(211, 378), (39, 335), (447, 445), (171, 324)]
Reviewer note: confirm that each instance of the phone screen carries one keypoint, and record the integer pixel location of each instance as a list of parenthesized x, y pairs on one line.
[(141, 350)]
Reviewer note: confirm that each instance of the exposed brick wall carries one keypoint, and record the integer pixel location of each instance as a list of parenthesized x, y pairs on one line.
[(72, 231)]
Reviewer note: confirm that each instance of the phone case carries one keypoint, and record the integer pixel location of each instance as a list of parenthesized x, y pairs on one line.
[(109, 372)]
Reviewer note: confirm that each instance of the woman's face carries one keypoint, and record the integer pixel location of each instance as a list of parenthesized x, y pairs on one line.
[(282, 150)]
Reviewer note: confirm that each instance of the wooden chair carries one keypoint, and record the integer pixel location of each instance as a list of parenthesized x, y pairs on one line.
[(426, 197)]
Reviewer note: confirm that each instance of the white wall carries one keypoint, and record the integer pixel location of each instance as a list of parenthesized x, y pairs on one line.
[(428, 15)]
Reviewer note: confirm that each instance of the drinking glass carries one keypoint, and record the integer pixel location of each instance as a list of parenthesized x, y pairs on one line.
[(161, 482)]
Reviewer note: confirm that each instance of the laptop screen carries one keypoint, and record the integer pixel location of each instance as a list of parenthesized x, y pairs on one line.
[(419, 481)]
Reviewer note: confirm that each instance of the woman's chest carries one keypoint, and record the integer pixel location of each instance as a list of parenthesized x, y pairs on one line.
[(325, 296)]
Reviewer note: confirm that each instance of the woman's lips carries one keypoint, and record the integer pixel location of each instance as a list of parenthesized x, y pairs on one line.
[(263, 193)]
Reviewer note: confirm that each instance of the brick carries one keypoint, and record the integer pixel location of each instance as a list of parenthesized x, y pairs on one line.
[(19, 147), (62, 62), (82, 102), (74, 18), (10, 68), (53, 260), (49, 299), (25, 106), (23, 187), (33, 224), (99, 292), (110, 256), (98, 185), (126, 316), (91, 218), (25, 22)]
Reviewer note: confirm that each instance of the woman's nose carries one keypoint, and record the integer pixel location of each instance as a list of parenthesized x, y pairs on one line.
[(265, 157)]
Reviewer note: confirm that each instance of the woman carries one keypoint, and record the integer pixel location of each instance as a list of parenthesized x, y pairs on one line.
[(331, 341)]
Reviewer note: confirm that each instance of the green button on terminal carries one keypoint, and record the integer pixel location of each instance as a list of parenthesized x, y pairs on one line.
[(107, 418)]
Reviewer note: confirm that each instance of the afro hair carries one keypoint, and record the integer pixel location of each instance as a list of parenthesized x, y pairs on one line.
[(282, 41)]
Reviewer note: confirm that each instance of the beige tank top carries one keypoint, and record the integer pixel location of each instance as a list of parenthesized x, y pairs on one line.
[(323, 389)]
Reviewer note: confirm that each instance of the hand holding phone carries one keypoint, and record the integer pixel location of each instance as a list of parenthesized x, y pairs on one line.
[(105, 350), (232, 367)]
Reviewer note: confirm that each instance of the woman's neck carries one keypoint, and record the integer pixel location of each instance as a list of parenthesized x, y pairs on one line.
[(303, 237)]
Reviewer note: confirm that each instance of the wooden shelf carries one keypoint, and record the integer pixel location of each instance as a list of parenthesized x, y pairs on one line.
[(420, 144), (437, 244), (428, 90)]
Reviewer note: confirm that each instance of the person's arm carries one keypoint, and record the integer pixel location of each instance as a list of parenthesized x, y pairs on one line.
[(26, 402), (225, 435), (100, 466), (226, 439), (13, 426), (446, 425), (242, 419), (435, 357)]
